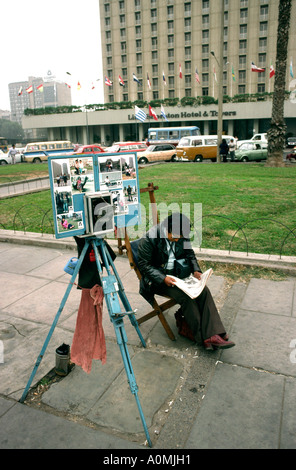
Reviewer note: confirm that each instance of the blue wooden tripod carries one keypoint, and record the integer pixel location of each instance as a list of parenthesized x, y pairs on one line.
[(113, 291)]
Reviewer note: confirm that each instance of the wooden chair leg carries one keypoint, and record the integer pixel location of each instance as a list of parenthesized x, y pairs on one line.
[(158, 310), (166, 326)]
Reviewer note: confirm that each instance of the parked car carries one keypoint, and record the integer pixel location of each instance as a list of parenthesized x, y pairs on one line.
[(127, 147), (6, 160), (200, 147), (93, 148), (291, 141), (250, 151), (157, 153), (261, 138)]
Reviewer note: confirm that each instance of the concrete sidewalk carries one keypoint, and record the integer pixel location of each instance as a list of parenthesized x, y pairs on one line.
[(241, 398)]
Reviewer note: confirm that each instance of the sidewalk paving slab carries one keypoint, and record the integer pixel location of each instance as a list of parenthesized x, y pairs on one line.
[(242, 409), (29, 428), (243, 397)]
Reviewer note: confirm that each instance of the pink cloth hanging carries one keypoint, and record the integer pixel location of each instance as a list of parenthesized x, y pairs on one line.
[(89, 339)]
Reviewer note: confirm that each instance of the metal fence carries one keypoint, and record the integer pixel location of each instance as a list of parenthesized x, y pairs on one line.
[(32, 218)]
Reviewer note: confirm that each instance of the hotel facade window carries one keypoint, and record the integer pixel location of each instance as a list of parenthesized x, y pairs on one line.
[(187, 9), (170, 11), (154, 14)]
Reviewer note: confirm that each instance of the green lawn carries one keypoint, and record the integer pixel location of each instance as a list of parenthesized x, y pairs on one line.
[(22, 171), (258, 199), (233, 195)]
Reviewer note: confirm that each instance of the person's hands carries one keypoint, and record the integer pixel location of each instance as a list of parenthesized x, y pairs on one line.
[(197, 274), (169, 281)]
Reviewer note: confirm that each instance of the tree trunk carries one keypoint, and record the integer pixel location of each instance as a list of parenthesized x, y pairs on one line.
[(276, 133)]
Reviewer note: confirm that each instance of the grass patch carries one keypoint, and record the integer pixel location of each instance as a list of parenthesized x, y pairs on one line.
[(240, 273), (245, 207), (28, 213), (22, 171), (254, 202)]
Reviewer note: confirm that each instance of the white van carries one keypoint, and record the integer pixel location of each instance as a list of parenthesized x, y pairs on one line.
[(262, 138), (37, 152), (199, 147)]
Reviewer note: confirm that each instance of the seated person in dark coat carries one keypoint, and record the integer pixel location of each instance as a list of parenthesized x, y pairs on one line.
[(157, 250)]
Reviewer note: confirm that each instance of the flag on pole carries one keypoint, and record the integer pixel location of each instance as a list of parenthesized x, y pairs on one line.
[(136, 79), (121, 82), (67, 84), (40, 88), (163, 78), (108, 81), (152, 113), (163, 113), (29, 89), (20, 91), (197, 76), (148, 81), (232, 73), (271, 71), (291, 69), (215, 75), (140, 114), (78, 86), (254, 68), (180, 71)]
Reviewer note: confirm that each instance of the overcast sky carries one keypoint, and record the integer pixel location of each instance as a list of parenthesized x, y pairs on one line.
[(57, 35)]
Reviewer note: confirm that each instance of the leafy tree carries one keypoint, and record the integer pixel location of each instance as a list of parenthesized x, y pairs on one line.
[(276, 133), (12, 131)]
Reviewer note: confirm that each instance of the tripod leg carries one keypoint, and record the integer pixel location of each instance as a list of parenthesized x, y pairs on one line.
[(131, 316), (125, 301), (122, 343), (111, 297), (42, 352)]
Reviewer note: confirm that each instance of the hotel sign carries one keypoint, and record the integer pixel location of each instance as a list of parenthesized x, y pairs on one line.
[(194, 114)]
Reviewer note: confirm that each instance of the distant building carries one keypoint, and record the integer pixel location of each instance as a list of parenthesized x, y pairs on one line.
[(5, 114), (37, 92)]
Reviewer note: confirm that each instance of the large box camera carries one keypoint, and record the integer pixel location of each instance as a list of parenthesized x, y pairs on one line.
[(99, 213)]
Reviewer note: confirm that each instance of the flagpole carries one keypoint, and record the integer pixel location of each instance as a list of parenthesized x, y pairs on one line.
[(179, 81), (231, 78), (148, 86)]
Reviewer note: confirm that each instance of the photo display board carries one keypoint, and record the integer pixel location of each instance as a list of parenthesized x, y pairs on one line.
[(92, 194)]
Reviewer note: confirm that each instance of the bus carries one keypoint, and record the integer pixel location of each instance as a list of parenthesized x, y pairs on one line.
[(37, 152), (170, 135)]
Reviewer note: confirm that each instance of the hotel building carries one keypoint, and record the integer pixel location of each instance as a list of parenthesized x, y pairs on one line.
[(175, 46)]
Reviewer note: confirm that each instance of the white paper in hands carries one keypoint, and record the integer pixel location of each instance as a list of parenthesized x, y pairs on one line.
[(191, 285)]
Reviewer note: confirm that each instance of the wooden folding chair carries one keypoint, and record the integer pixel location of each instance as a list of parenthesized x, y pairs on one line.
[(158, 309)]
